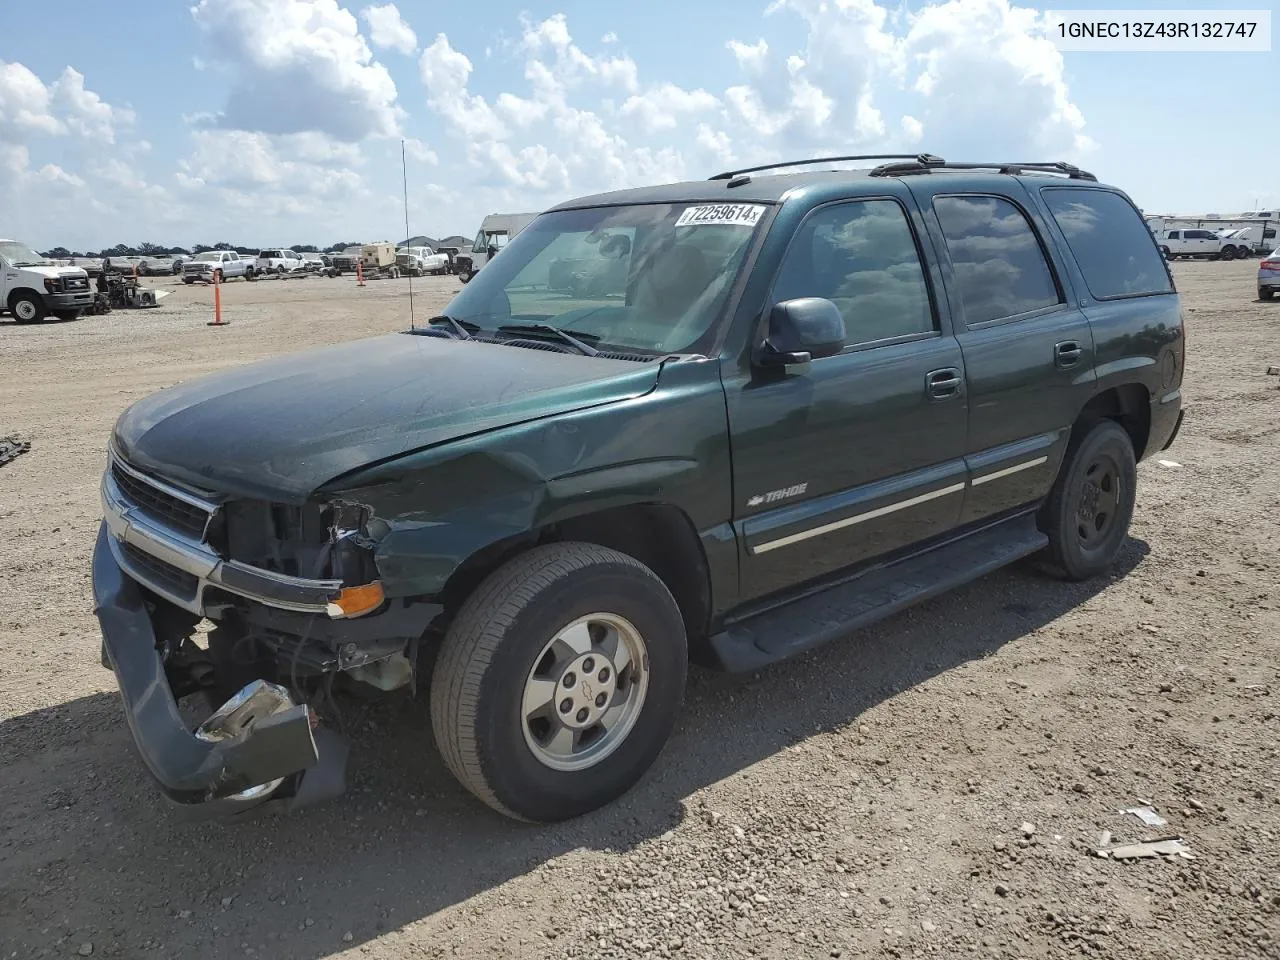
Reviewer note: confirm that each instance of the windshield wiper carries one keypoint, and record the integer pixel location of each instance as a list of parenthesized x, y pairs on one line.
[(461, 330), (568, 338)]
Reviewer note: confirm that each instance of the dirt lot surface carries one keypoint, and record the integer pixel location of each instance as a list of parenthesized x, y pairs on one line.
[(867, 800)]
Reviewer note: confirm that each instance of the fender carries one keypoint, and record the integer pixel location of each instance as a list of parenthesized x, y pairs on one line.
[(433, 510)]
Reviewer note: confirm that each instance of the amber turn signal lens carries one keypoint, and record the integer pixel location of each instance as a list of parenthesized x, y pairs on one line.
[(356, 601)]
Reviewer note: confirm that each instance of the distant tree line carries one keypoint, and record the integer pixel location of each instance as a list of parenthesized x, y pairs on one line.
[(158, 250)]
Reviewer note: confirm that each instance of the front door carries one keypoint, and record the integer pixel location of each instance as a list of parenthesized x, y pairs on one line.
[(852, 456), (1028, 349)]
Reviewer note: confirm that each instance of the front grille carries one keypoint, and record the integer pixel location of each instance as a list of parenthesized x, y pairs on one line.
[(173, 513), (161, 574)]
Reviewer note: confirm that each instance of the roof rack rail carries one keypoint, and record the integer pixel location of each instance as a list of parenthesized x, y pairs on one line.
[(909, 168), (918, 158)]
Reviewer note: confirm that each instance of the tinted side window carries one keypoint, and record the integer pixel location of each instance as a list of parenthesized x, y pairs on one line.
[(861, 256), (1107, 237), (1000, 269)]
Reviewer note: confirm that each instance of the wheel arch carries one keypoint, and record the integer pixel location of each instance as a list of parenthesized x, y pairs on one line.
[(1129, 404), (18, 291), (659, 535)]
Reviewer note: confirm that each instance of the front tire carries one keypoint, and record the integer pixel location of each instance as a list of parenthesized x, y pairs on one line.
[(1089, 509), (1227, 253), (27, 308), (559, 681)]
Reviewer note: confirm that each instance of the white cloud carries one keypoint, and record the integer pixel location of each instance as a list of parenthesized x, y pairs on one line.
[(418, 150), (976, 55), (912, 129), (24, 103), (295, 66), (663, 107), (750, 57), (388, 29), (444, 73), (87, 113), (609, 37)]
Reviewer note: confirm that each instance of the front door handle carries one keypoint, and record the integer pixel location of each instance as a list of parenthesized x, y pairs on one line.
[(943, 384), (1066, 354)]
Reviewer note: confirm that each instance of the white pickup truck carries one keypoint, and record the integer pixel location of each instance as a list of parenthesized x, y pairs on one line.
[(417, 261), (32, 287), (278, 260), (1200, 243), (216, 266)]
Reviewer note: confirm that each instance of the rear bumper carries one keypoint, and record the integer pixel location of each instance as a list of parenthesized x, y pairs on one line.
[(1166, 421), (204, 779)]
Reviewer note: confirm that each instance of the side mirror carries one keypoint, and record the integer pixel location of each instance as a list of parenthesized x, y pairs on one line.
[(800, 330)]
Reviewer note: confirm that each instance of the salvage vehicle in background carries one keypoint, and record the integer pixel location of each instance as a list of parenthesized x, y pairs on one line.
[(278, 260), (1269, 276), (791, 406), (33, 287), (344, 262), (417, 261), (1201, 243), (496, 231), (216, 266)]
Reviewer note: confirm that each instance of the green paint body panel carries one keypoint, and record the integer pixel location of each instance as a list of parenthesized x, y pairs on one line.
[(787, 476)]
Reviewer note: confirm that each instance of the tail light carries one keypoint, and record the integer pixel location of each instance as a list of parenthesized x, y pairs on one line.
[(1270, 265)]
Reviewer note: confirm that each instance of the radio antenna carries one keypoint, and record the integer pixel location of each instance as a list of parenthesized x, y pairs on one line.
[(404, 172)]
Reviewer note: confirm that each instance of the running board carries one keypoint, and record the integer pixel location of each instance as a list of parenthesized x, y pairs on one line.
[(838, 611)]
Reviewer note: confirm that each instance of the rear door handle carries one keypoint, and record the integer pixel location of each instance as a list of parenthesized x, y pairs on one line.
[(944, 383), (1067, 353)]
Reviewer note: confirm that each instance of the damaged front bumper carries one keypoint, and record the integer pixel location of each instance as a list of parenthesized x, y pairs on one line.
[(259, 751)]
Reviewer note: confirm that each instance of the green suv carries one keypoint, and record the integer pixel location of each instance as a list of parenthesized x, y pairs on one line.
[(720, 421)]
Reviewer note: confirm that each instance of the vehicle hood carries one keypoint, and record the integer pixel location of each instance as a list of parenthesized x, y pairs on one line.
[(50, 271), (280, 428)]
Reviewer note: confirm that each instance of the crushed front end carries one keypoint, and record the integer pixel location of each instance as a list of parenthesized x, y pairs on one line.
[(295, 601)]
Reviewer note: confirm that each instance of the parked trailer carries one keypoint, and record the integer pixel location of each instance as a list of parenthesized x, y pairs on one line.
[(1261, 227)]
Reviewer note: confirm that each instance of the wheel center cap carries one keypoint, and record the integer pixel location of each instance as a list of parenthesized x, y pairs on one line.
[(1089, 500)]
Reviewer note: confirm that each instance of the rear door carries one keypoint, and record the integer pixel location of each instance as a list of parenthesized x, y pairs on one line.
[(856, 455), (1028, 350)]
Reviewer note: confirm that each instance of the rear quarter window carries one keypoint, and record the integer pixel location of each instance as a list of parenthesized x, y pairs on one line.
[(1109, 242)]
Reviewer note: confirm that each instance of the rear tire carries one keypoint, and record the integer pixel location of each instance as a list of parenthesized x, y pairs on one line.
[(1090, 506), (1265, 293), (250, 273), (1227, 253), (27, 308), (507, 666)]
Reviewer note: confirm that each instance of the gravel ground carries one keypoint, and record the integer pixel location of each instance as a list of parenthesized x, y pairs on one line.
[(867, 800)]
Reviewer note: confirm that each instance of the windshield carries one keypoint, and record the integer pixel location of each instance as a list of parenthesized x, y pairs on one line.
[(20, 255), (209, 256), (651, 277)]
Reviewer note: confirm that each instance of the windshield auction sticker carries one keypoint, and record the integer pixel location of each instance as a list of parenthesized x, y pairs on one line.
[(724, 214)]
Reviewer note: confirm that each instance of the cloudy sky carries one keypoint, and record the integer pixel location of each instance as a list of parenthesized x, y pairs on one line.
[(265, 122)]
